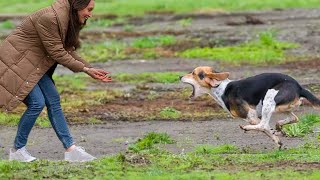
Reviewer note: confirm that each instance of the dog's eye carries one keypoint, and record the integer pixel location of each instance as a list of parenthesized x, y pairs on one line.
[(201, 75), (193, 73)]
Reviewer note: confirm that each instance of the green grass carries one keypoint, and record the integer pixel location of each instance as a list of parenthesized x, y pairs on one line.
[(265, 50), (11, 119), (149, 77), (169, 113), (70, 83), (115, 49), (103, 52), (303, 127), (153, 41), (74, 94), (185, 22), (8, 24), (225, 163), (149, 141), (98, 23), (223, 149), (139, 7), (23, 6)]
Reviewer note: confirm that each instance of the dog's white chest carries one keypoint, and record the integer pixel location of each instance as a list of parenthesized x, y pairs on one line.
[(217, 93)]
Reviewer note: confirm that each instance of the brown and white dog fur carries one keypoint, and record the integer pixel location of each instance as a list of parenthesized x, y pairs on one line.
[(254, 99)]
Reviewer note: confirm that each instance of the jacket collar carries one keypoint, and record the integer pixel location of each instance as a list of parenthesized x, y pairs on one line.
[(61, 9)]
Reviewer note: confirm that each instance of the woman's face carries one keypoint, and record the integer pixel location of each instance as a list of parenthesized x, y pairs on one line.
[(86, 13)]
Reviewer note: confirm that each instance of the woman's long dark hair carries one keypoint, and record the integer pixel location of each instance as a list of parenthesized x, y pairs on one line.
[(74, 27)]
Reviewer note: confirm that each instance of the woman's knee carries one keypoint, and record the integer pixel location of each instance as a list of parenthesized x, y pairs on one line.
[(54, 102), (38, 104)]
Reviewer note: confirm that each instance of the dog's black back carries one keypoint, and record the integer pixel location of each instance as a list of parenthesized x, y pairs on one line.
[(253, 89)]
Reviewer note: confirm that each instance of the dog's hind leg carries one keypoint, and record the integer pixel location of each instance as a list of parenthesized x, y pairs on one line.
[(287, 99), (289, 120), (268, 108)]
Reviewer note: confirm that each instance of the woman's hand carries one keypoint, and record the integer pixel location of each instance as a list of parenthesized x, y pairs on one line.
[(98, 74)]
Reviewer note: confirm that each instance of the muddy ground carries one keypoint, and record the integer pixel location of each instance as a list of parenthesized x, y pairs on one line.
[(124, 119)]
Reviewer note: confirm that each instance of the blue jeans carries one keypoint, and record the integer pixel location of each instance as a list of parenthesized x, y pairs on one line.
[(43, 94)]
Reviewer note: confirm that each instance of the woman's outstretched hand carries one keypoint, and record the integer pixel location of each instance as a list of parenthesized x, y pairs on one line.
[(98, 74)]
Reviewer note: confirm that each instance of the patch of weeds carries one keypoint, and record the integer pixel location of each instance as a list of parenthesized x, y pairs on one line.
[(184, 93), (296, 163), (43, 122), (152, 95), (11, 119), (314, 88), (84, 120), (8, 24), (103, 23), (71, 102), (150, 54), (128, 28), (222, 149), (73, 93), (149, 77), (6, 168), (94, 120), (99, 23), (103, 52), (149, 140), (70, 83), (170, 113), (303, 127), (266, 50), (153, 41), (8, 119), (185, 22), (209, 113), (104, 97)]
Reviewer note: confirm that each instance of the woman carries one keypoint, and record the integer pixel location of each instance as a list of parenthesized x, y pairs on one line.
[(28, 58)]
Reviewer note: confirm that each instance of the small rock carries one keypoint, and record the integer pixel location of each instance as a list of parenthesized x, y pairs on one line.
[(126, 143)]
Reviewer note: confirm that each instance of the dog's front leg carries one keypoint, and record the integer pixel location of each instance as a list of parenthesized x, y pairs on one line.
[(252, 117), (274, 137), (266, 129)]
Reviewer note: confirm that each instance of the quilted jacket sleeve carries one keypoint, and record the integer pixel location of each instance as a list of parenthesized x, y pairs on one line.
[(76, 56), (48, 31)]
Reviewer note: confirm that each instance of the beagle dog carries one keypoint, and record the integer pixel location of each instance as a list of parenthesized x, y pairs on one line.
[(254, 99)]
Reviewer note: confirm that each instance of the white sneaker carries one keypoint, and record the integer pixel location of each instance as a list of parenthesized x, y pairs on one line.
[(21, 155), (78, 154)]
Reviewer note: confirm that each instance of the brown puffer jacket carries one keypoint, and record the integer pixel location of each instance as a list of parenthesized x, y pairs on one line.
[(31, 49)]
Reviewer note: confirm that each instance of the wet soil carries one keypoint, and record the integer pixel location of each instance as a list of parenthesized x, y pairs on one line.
[(129, 117)]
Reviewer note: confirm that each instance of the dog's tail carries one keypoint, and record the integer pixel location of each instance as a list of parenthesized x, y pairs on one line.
[(310, 97)]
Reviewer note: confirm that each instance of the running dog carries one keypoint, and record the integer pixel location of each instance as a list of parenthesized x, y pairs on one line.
[(254, 99)]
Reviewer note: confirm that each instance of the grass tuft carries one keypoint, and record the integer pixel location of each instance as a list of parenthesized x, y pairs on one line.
[(265, 50), (8, 24), (170, 113), (223, 149), (149, 140), (149, 77), (153, 41), (102, 52), (304, 126)]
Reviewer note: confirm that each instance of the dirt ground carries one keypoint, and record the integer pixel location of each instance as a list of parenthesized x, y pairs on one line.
[(124, 118)]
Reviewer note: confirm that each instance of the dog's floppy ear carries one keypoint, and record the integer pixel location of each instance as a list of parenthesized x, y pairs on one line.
[(218, 76), (213, 79)]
